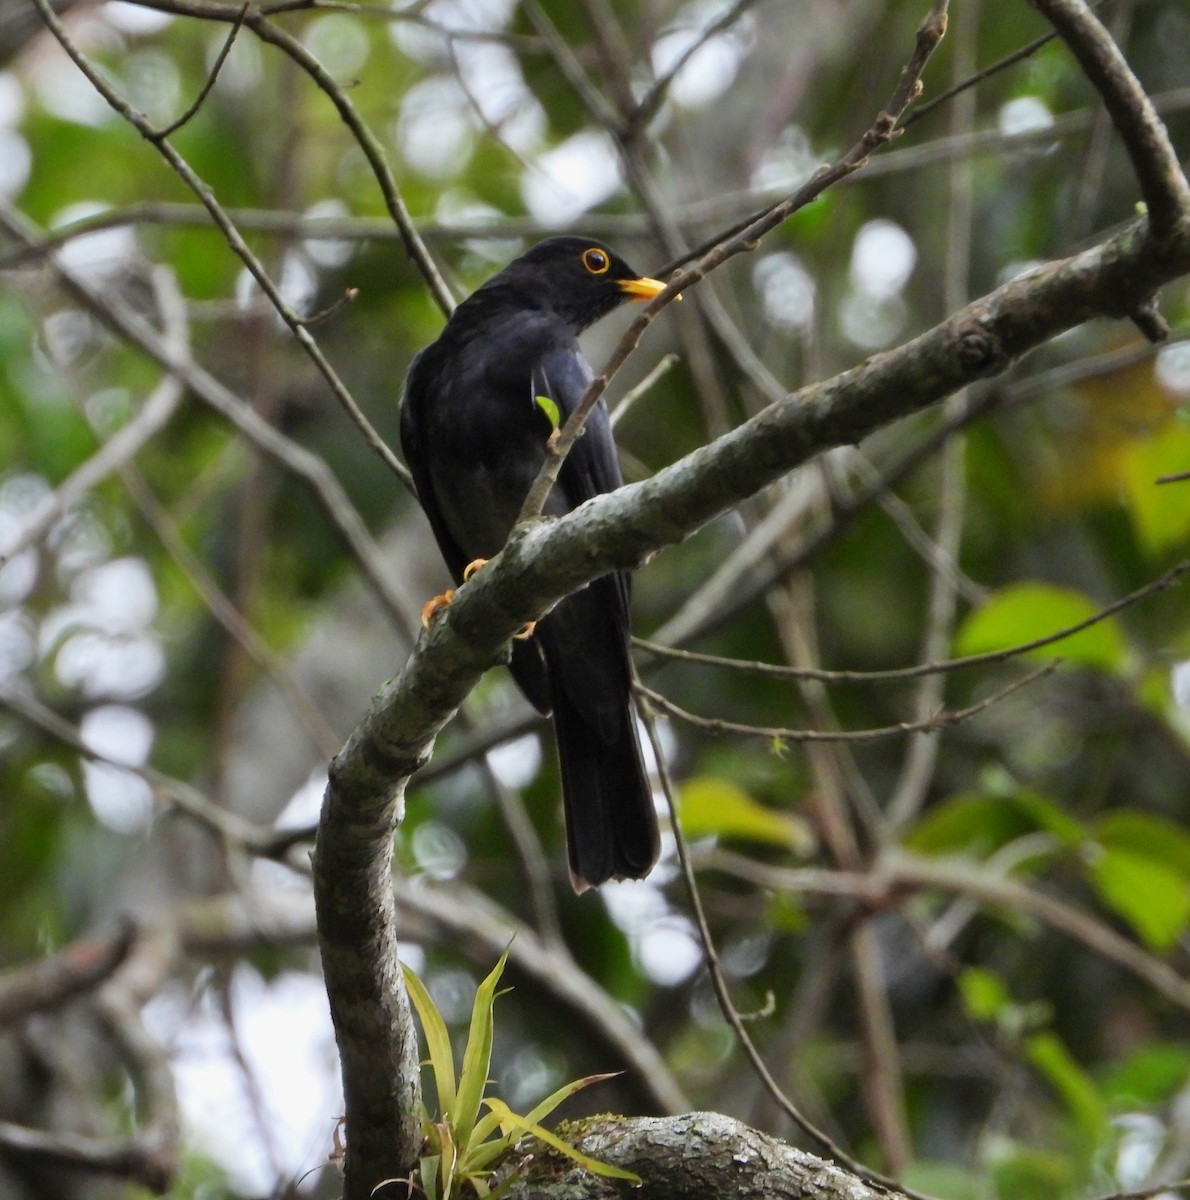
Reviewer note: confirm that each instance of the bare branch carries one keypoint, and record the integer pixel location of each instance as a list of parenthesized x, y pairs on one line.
[(125, 443), (897, 870), (150, 1155), (776, 670), (1162, 184), (58, 978), (126, 1158), (925, 725), (130, 326), (179, 165), (212, 75)]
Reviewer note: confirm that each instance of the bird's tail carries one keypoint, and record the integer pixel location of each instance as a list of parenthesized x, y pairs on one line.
[(611, 825)]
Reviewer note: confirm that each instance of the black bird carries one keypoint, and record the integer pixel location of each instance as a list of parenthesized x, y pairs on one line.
[(474, 435)]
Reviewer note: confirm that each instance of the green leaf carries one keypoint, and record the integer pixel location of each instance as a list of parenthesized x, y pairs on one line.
[(550, 409), (712, 806), (428, 1172), (1026, 1173), (1152, 897), (479, 1152), (484, 1152), (477, 1058), (1025, 612), (437, 1039), (984, 995), (1145, 834), (980, 824), (1152, 1074), (1077, 1089), (447, 1159), (949, 1180), (512, 1122), (1160, 512), (567, 1090)]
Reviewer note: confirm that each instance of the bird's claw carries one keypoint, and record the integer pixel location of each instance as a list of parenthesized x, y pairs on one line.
[(434, 605)]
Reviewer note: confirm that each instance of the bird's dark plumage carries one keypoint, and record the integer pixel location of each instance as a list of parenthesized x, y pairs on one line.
[(474, 436)]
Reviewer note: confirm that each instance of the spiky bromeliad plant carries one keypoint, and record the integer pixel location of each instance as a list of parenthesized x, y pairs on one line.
[(462, 1144)]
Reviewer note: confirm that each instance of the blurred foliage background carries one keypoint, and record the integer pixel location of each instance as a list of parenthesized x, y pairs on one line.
[(964, 950)]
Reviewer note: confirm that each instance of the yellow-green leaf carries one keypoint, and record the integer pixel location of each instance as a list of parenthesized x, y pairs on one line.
[(1050, 1057), (1146, 834), (511, 1120), (984, 994), (979, 824), (437, 1039), (552, 1101), (477, 1057), (1160, 512), (1151, 896), (712, 806), (550, 409), (1025, 612)]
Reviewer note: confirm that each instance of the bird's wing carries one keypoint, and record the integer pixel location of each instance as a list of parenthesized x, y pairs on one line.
[(527, 664), (592, 466), (416, 458)]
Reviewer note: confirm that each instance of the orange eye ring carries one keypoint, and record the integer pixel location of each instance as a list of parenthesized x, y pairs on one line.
[(596, 261)]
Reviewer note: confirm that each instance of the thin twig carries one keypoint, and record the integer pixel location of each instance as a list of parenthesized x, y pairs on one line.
[(921, 757), (1168, 579), (257, 20), (664, 365), (61, 977), (234, 238), (882, 130), (322, 736), (652, 100), (897, 870), (932, 724), (212, 75), (117, 316), (720, 986), (172, 792), (125, 443)]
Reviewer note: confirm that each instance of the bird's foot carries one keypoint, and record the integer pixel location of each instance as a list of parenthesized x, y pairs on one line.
[(434, 605)]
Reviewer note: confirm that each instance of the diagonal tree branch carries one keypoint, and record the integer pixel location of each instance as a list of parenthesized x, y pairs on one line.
[(547, 559)]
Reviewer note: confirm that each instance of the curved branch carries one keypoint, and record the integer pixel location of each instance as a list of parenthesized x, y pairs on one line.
[(1162, 183), (547, 559)]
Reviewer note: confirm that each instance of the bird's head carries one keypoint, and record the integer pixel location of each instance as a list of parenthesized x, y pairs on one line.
[(579, 278)]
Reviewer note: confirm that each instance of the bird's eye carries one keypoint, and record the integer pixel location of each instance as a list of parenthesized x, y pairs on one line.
[(596, 261)]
